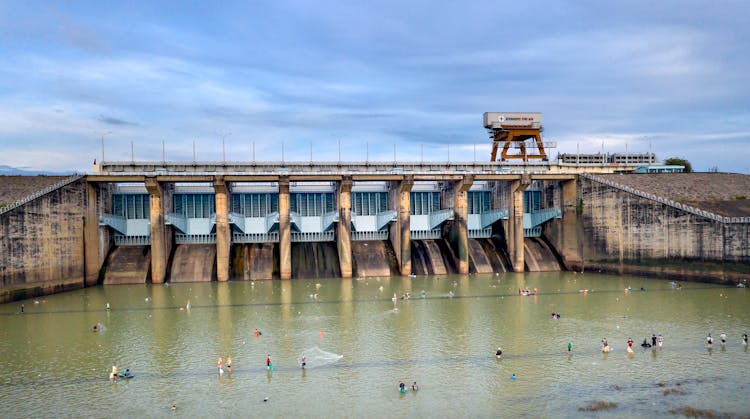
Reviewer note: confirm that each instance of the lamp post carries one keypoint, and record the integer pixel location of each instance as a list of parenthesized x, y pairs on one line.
[(106, 133), (223, 148)]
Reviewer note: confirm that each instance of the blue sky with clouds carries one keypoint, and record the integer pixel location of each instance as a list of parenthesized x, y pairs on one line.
[(670, 75)]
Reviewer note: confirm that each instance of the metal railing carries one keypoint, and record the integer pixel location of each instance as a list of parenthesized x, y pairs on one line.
[(144, 168), (121, 240), (255, 237), (195, 238), (687, 208), (483, 233), (532, 232), (42, 192), (370, 235), (315, 236), (425, 234)]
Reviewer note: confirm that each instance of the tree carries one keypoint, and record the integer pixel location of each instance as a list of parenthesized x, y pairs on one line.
[(679, 161)]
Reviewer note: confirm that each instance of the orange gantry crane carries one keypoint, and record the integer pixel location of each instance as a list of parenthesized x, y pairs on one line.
[(520, 131)]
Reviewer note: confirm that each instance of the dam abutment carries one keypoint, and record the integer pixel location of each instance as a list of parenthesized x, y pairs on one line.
[(42, 240), (633, 226)]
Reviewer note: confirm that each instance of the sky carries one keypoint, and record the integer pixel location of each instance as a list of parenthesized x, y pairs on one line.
[(369, 80)]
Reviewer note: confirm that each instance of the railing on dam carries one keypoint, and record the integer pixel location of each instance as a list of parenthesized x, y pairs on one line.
[(480, 233), (272, 237), (315, 236), (352, 168), (195, 238), (370, 235), (121, 240), (42, 192), (669, 202), (426, 234)]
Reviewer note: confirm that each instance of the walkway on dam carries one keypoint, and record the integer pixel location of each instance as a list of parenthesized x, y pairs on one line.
[(725, 194)]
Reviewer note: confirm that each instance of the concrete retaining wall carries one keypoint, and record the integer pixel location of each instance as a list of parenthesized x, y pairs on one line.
[(41, 244), (626, 233)]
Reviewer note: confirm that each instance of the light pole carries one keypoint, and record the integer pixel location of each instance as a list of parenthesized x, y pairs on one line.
[(106, 133), (223, 148)]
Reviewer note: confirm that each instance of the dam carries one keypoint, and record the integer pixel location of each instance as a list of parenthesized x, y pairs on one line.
[(159, 221), (273, 220), (156, 222)]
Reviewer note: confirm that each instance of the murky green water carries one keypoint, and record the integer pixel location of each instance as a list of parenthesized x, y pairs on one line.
[(52, 363)]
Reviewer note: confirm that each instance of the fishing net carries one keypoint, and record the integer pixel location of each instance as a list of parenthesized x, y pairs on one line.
[(316, 357)]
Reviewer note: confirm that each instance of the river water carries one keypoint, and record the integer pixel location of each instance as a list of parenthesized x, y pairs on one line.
[(53, 364)]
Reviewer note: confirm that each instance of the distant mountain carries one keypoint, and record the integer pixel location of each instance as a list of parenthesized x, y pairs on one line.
[(15, 171)]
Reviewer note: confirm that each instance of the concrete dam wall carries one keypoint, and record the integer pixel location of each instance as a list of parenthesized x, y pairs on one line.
[(614, 223), (128, 265), (373, 258), (315, 260), (626, 229), (254, 261), (42, 244), (436, 257), (193, 263)]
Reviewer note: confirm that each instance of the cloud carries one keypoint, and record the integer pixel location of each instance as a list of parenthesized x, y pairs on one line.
[(115, 121), (417, 75)]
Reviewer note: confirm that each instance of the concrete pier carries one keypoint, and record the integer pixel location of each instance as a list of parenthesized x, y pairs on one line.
[(285, 230), (515, 223), (344, 227), (460, 221), (400, 234), (223, 234), (159, 250)]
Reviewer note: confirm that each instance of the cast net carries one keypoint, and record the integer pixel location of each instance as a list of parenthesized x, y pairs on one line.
[(316, 357)]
